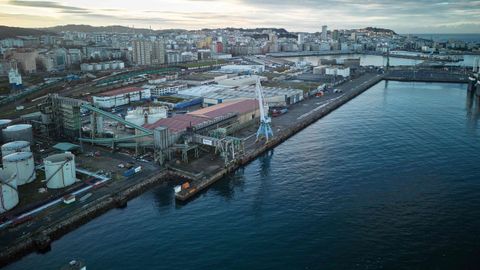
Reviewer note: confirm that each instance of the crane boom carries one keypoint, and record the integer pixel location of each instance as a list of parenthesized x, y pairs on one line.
[(265, 128)]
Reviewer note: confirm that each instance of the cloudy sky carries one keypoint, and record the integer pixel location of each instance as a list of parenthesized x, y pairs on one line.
[(403, 16)]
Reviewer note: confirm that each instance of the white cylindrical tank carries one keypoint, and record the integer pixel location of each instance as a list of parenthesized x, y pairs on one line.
[(114, 65), (136, 119), (146, 115), (8, 191), (121, 65), (20, 132), (106, 65), (16, 146), (155, 114), (3, 124), (60, 170), (22, 165)]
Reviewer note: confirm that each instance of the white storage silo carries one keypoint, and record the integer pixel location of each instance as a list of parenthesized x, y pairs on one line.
[(22, 165), (114, 65), (3, 124), (105, 65), (8, 191), (20, 132), (60, 170), (155, 114), (16, 146), (121, 65), (146, 115)]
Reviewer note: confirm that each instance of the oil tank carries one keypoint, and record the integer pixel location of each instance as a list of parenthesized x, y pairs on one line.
[(3, 124), (16, 146), (22, 165), (20, 132), (60, 170), (8, 191)]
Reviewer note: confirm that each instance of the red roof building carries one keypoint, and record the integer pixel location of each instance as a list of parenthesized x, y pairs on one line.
[(247, 109)]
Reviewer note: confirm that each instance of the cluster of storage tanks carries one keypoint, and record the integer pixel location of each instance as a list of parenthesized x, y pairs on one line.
[(19, 166), (102, 66), (146, 115)]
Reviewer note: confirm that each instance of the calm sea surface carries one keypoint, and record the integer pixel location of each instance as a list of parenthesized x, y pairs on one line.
[(446, 37), (378, 60), (391, 180)]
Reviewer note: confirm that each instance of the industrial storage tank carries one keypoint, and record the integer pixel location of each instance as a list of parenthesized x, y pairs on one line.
[(22, 165), (60, 170), (114, 65), (105, 66), (20, 132), (16, 146), (146, 115), (8, 191), (97, 66), (3, 124)]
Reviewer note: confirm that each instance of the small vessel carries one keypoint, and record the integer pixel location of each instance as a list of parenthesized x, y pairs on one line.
[(75, 265)]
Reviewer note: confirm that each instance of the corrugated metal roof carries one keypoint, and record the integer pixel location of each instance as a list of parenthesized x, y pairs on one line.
[(180, 122), (240, 106)]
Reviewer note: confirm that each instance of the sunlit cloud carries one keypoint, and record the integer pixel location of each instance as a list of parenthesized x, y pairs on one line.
[(300, 15)]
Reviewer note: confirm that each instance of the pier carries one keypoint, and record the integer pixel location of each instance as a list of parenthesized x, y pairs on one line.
[(206, 170)]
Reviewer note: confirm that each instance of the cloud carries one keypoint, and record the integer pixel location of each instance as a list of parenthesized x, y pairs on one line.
[(46, 4), (299, 15)]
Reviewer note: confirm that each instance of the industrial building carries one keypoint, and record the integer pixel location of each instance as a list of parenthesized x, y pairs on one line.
[(215, 94), (245, 110), (166, 88), (203, 78), (120, 97), (338, 71), (249, 69), (243, 80), (111, 65)]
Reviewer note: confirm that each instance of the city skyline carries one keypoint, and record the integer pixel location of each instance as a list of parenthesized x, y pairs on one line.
[(432, 16)]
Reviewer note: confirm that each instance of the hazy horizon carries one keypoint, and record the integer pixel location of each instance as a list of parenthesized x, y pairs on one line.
[(406, 17)]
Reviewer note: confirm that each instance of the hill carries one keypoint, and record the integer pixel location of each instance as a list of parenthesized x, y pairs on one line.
[(11, 32), (381, 30), (99, 29)]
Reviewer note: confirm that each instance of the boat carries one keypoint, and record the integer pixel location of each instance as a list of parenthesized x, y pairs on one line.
[(75, 265)]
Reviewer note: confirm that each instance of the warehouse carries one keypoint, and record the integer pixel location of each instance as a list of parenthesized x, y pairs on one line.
[(215, 94), (338, 71), (250, 69), (122, 96), (244, 80), (246, 110), (166, 88), (203, 78)]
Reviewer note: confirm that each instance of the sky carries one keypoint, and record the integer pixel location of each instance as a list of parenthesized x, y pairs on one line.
[(402, 16)]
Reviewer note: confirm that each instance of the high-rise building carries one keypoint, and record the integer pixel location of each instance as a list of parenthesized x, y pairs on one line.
[(158, 52), (26, 60), (335, 35), (142, 52), (324, 32), (300, 38)]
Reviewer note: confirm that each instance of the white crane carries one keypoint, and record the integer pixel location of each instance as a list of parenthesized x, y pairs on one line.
[(265, 128)]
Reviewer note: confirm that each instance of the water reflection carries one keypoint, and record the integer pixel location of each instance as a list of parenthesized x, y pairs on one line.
[(473, 109), (163, 195), (265, 161), (231, 183)]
